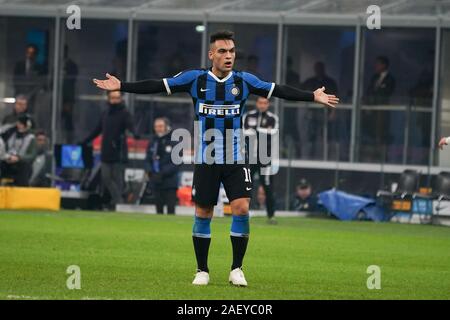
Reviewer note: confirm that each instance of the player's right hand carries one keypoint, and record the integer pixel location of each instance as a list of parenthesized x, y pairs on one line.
[(442, 143), (110, 84)]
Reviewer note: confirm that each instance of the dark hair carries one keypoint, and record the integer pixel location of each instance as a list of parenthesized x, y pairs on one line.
[(40, 132), (384, 60), (261, 97), (319, 64), (21, 96), (164, 119), (221, 35), (25, 120)]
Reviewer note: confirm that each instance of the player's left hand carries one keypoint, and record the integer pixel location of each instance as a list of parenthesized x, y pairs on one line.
[(329, 100), (442, 143)]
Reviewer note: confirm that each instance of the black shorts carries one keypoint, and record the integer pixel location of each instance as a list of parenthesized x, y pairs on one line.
[(236, 180)]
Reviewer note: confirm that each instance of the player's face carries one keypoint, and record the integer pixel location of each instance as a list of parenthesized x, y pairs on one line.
[(262, 104), (222, 54)]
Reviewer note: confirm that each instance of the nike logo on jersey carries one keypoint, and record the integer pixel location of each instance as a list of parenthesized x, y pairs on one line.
[(248, 189), (203, 90)]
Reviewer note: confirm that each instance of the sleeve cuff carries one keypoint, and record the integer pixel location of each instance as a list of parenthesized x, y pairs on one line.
[(271, 90), (166, 85), (123, 86)]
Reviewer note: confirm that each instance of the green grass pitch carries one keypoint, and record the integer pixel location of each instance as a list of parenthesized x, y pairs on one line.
[(137, 256)]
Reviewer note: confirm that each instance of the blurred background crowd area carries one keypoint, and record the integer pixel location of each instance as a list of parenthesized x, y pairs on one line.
[(393, 83)]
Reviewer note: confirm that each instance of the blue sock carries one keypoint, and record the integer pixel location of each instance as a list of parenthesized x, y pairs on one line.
[(240, 227), (202, 227)]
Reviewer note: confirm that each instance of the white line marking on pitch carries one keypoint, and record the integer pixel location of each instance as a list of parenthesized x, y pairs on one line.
[(22, 297)]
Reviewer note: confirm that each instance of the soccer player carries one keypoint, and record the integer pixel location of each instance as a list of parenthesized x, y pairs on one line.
[(219, 94)]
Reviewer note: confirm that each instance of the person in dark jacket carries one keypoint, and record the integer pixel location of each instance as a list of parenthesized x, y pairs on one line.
[(113, 126), (162, 171), (28, 72), (20, 108), (377, 124), (42, 164), (311, 126), (304, 199), (382, 83), (20, 151), (70, 72)]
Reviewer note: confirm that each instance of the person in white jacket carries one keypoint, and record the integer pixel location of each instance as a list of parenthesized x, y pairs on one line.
[(2, 150)]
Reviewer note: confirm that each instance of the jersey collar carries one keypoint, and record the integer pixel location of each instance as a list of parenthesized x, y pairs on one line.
[(220, 80)]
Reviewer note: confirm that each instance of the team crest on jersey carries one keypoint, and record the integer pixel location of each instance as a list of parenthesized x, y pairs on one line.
[(235, 91)]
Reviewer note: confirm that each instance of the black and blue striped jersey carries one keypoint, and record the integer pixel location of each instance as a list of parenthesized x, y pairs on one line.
[(218, 104)]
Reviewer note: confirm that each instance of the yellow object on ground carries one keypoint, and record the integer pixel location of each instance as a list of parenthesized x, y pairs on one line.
[(30, 198)]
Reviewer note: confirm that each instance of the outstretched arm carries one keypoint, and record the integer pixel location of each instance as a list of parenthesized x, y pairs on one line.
[(268, 89), (293, 94), (181, 82), (145, 86)]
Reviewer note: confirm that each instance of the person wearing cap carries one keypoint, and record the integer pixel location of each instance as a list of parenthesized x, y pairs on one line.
[(303, 199), (20, 151)]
